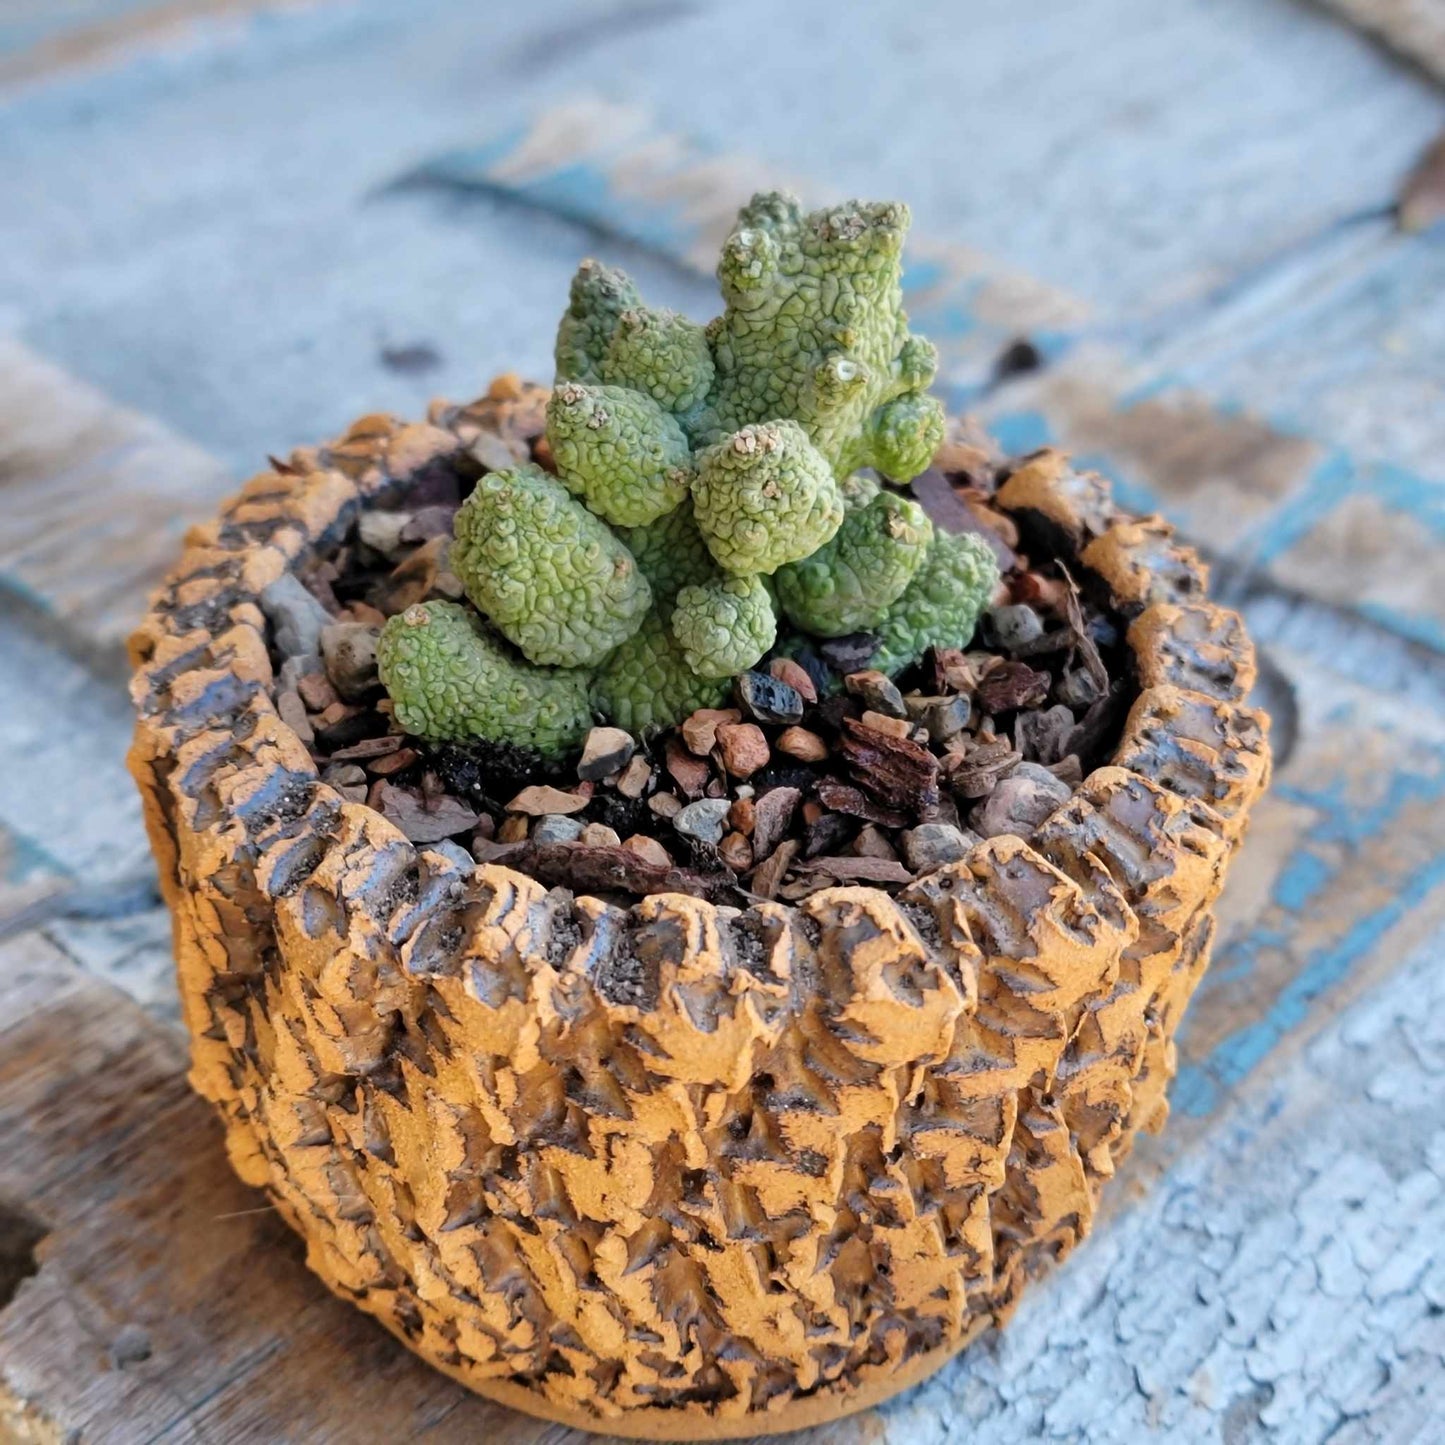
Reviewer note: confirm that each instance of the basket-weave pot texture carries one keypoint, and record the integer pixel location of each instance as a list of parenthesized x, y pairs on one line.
[(678, 1170)]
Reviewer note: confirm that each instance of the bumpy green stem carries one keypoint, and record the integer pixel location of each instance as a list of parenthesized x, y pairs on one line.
[(765, 496), (672, 555), (692, 464), (849, 584), (647, 683), (724, 627), (450, 681), (552, 577), (618, 451), (941, 606)]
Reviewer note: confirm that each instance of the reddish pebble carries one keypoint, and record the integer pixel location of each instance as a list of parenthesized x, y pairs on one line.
[(743, 815), (744, 748), (689, 773), (736, 852), (799, 743), (635, 778), (699, 731), (795, 675)]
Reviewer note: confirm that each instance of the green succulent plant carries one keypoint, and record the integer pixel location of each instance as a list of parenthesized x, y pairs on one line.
[(709, 479)]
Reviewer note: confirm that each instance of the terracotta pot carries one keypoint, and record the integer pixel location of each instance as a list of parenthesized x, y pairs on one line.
[(678, 1171)]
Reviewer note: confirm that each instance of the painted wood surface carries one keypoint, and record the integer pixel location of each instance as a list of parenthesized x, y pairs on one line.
[(233, 226)]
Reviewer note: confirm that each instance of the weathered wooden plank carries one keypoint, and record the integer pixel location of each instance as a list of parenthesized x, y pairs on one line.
[(94, 500), (1346, 862), (42, 39), (168, 1303), (1200, 140)]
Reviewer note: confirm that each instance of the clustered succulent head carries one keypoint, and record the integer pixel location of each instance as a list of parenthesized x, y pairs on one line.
[(716, 494)]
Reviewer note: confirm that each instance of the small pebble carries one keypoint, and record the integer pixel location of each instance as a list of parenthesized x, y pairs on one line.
[(381, 531), (665, 805), (513, 830), (296, 617), (850, 653), (1021, 801), (635, 778), (605, 750), (557, 828), (541, 799), (895, 727), (699, 731), (799, 743), (690, 773), (943, 717), (494, 453), (349, 651), (767, 700), (742, 815), (744, 748), (736, 852), (703, 819), (316, 690), (872, 842), (293, 713), (931, 845), (795, 675), (599, 835), (877, 692), (649, 850), (1078, 689), (1014, 626), (772, 816), (393, 762)]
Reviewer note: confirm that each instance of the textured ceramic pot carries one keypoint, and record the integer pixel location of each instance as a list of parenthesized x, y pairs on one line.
[(678, 1171)]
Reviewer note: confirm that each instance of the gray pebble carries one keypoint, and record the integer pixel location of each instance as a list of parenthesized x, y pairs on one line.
[(703, 820), (1021, 802), (1016, 625), (381, 531), (931, 845), (877, 691), (557, 828), (349, 652), (296, 617), (947, 717)]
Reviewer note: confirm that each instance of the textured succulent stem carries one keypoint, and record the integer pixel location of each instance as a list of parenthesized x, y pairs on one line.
[(552, 577), (450, 681)]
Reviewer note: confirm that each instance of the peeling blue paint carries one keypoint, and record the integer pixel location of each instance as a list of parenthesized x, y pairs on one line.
[(1347, 825), (1018, 432), (1333, 479), (1301, 878)]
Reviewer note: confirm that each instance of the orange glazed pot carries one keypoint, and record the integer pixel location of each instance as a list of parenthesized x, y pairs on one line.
[(679, 1171)]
